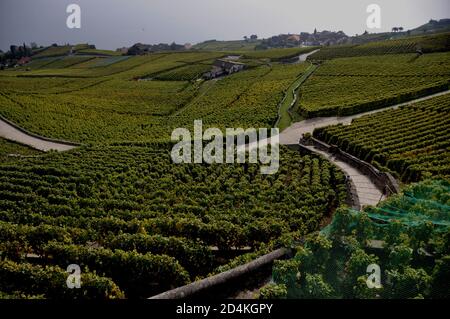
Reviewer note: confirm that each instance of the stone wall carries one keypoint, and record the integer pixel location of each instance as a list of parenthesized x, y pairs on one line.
[(383, 180)]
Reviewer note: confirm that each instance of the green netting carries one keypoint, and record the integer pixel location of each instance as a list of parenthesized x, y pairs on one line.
[(407, 236), (426, 202)]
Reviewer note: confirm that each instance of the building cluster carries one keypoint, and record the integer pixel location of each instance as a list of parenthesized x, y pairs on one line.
[(142, 49), (223, 67), (323, 38)]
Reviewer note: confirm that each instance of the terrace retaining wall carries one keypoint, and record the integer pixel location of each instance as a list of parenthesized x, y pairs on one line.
[(383, 180)]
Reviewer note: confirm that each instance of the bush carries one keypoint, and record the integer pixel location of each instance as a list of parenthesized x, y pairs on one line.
[(273, 291)]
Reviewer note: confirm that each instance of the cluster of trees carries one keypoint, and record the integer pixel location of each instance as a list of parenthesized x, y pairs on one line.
[(397, 29), (14, 54), (251, 38)]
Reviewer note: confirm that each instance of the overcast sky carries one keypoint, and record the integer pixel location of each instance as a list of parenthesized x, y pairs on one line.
[(115, 23)]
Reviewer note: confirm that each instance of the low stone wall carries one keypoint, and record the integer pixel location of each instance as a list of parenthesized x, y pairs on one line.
[(209, 283), (383, 180), (352, 194)]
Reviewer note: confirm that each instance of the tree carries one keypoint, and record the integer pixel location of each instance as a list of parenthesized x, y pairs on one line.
[(321, 247), (421, 235), (362, 291), (286, 272), (246, 38), (400, 256), (407, 283), (356, 267), (441, 278), (393, 234), (14, 50), (315, 287), (364, 228)]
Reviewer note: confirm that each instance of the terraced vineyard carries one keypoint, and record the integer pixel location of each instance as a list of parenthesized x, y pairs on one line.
[(129, 214), (354, 85), (110, 106), (426, 44), (278, 54), (412, 141), (137, 223)]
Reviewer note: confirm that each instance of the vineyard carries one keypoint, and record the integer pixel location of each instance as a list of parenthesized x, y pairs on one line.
[(425, 44), (412, 142), (130, 215), (354, 85), (138, 224), (9, 151), (115, 107)]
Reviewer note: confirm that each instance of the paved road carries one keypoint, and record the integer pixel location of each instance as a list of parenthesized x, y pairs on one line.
[(12, 133)]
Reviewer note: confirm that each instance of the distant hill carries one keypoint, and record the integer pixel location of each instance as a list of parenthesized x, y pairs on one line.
[(432, 27), (428, 43), (64, 50), (442, 25)]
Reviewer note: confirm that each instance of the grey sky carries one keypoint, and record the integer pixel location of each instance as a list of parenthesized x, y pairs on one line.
[(115, 23)]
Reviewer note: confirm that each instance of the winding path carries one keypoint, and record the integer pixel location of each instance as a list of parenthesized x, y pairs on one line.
[(292, 134), (368, 192), (13, 132)]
